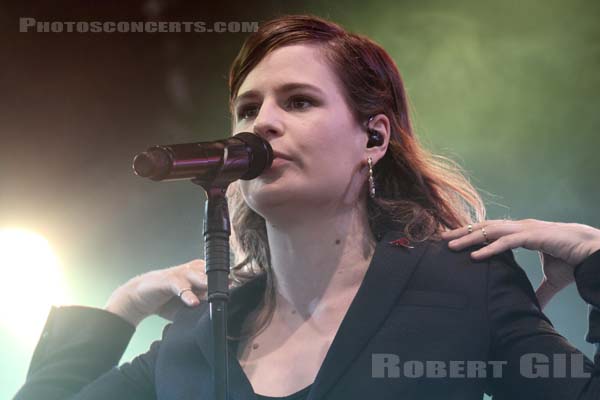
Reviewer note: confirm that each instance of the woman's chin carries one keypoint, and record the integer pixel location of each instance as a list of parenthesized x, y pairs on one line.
[(280, 197), (266, 200), (274, 201)]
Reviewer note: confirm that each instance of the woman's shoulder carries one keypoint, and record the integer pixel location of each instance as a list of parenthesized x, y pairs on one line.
[(438, 250), (443, 269)]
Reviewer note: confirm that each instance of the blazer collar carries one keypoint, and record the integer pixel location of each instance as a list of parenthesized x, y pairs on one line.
[(386, 278)]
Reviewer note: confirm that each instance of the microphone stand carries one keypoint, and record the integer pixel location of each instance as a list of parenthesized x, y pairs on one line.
[(216, 252), (212, 165)]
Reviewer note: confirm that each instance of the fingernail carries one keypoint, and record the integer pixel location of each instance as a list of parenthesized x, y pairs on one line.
[(190, 301)]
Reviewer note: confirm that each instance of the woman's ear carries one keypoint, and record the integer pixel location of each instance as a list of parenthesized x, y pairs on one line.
[(378, 129)]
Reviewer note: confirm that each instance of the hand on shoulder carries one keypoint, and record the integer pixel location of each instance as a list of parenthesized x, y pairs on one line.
[(561, 246)]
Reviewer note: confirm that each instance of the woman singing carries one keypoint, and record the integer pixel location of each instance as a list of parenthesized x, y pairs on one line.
[(347, 287)]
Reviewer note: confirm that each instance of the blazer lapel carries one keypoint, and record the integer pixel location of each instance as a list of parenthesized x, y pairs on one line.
[(386, 278), (241, 299)]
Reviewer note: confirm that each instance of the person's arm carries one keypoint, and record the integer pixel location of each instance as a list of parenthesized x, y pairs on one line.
[(561, 246), (539, 362), (77, 355), (587, 279)]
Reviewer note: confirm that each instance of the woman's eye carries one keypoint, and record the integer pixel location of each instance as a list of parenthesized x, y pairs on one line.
[(300, 103), (250, 111), (246, 112)]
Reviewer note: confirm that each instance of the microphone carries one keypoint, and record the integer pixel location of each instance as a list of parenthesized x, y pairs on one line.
[(243, 156)]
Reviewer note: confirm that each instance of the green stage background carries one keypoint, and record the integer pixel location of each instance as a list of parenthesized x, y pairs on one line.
[(510, 89)]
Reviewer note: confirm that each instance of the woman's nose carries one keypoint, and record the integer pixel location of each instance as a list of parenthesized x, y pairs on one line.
[(268, 121)]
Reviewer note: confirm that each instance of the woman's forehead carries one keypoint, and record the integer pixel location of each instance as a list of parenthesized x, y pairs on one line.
[(298, 64)]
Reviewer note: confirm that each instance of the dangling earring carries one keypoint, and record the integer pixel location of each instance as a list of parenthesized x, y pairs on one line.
[(371, 179)]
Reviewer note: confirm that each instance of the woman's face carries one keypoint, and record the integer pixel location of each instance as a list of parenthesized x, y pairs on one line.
[(293, 99)]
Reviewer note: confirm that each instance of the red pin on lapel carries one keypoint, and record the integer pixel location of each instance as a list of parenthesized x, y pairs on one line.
[(402, 242)]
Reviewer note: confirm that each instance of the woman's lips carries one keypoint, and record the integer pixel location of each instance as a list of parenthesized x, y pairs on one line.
[(277, 155), (278, 161)]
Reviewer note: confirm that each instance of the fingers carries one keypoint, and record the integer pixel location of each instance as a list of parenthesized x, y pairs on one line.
[(456, 233), (181, 289), (188, 282), (497, 235), (498, 246), (493, 231), (464, 230)]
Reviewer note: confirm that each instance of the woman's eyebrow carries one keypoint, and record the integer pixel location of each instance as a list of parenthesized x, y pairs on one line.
[(287, 87)]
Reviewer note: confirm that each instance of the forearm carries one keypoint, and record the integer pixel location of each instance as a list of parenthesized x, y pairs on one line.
[(545, 292), (78, 344), (520, 331), (121, 305), (587, 279)]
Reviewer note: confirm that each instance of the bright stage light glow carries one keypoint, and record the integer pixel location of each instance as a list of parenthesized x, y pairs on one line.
[(31, 282)]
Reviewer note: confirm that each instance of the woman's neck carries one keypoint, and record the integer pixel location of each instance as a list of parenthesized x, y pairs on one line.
[(318, 259)]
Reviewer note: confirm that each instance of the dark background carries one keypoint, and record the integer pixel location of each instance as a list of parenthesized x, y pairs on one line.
[(509, 89)]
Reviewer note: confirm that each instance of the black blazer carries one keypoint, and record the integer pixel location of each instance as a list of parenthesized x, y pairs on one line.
[(422, 306)]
